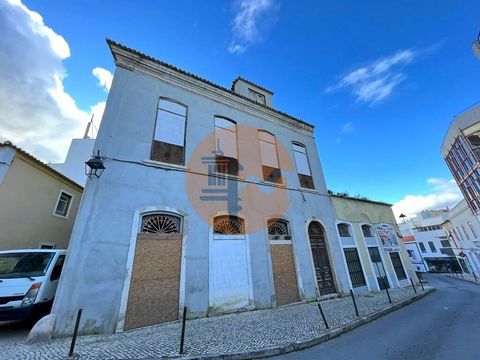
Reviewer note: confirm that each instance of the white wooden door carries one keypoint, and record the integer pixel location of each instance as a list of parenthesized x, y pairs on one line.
[(230, 277)]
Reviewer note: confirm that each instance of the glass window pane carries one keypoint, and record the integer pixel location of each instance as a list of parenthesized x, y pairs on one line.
[(299, 148), (170, 128), (224, 123)]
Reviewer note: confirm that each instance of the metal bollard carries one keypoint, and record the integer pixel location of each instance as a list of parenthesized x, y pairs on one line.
[(421, 284), (354, 302), (323, 316), (413, 285), (461, 274), (182, 337), (386, 290), (75, 332), (475, 277)]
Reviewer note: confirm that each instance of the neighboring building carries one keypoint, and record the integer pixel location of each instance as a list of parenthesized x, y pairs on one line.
[(80, 150), (38, 205), (373, 253), (461, 151), (463, 231), (211, 199), (427, 242)]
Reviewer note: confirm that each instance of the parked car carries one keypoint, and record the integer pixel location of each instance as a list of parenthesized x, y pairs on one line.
[(28, 282)]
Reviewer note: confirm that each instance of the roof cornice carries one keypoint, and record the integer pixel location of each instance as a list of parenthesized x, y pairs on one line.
[(134, 60)]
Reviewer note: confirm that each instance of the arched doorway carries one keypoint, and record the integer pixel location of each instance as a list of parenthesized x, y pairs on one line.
[(155, 283), (323, 270)]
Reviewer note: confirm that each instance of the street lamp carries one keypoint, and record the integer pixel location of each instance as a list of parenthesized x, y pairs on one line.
[(94, 167), (476, 47)]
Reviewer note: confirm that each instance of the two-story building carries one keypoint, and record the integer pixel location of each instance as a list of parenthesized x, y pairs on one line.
[(38, 205), (210, 199)]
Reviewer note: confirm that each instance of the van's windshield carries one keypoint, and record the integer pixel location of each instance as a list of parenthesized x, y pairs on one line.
[(23, 264)]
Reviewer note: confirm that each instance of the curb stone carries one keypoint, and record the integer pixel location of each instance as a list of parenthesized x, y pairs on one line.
[(263, 353)]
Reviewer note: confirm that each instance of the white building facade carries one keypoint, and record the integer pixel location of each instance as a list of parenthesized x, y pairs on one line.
[(211, 199)]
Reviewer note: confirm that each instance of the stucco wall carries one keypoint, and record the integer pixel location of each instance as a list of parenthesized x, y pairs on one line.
[(357, 213), (102, 236), (28, 197)]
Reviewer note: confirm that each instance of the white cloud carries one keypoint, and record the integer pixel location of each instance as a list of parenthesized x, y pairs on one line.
[(444, 193), (348, 127), (36, 113), (251, 18), (104, 77), (376, 81)]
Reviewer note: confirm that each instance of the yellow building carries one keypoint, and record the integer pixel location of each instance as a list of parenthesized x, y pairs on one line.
[(38, 205), (373, 251)]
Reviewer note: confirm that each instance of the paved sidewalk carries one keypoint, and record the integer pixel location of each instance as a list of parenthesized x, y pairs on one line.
[(227, 334), (465, 277)]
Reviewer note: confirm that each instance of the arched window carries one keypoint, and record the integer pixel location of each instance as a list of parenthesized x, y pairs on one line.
[(226, 158), (269, 157), (228, 225), (344, 230), (367, 231), (161, 224), (278, 229), (303, 167), (169, 138)]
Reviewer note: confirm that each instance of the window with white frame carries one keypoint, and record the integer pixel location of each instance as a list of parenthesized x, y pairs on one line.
[(63, 204), (269, 157), (367, 231), (226, 153), (169, 138), (303, 167), (344, 230)]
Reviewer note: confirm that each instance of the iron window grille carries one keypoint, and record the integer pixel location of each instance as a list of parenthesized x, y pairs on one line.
[(397, 266), (354, 267)]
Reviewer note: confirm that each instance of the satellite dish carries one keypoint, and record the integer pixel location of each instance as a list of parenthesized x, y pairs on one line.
[(476, 47)]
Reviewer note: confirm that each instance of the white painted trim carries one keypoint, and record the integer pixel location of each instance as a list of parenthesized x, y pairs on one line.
[(271, 278), (280, 242), (137, 216), (352, 232), (380, 250), (69, 204)]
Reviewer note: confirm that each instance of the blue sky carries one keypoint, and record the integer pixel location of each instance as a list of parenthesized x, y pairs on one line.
[(380, 80)]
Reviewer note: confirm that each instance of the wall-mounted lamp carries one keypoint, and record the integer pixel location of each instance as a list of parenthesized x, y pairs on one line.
[(94, 167)]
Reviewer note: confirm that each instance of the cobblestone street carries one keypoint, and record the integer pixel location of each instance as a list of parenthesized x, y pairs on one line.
[(232, 333)]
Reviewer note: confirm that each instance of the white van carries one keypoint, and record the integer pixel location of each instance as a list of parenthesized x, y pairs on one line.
[(28, 282)]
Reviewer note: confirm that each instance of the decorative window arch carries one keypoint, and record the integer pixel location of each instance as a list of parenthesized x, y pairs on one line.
[(367, 230), (169, 137), (161, 223), (269, 157), (278, 229), (228, 225), (344, 230)]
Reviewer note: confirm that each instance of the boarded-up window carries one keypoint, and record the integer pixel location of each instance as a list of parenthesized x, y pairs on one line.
[(226, 146), (303, 167), (269, 157), (169, 138)]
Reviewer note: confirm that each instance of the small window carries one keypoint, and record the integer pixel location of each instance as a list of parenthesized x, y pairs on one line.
[(57, 269), (226, 159), (303, 166), (63, 204), (44, 245), (344, 230), (354, 267), (269, 157), (228, 225), (422, 247), (256, 96), (367, 231), (169, 138), (445, 243), (432, 246), (278, 229)]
